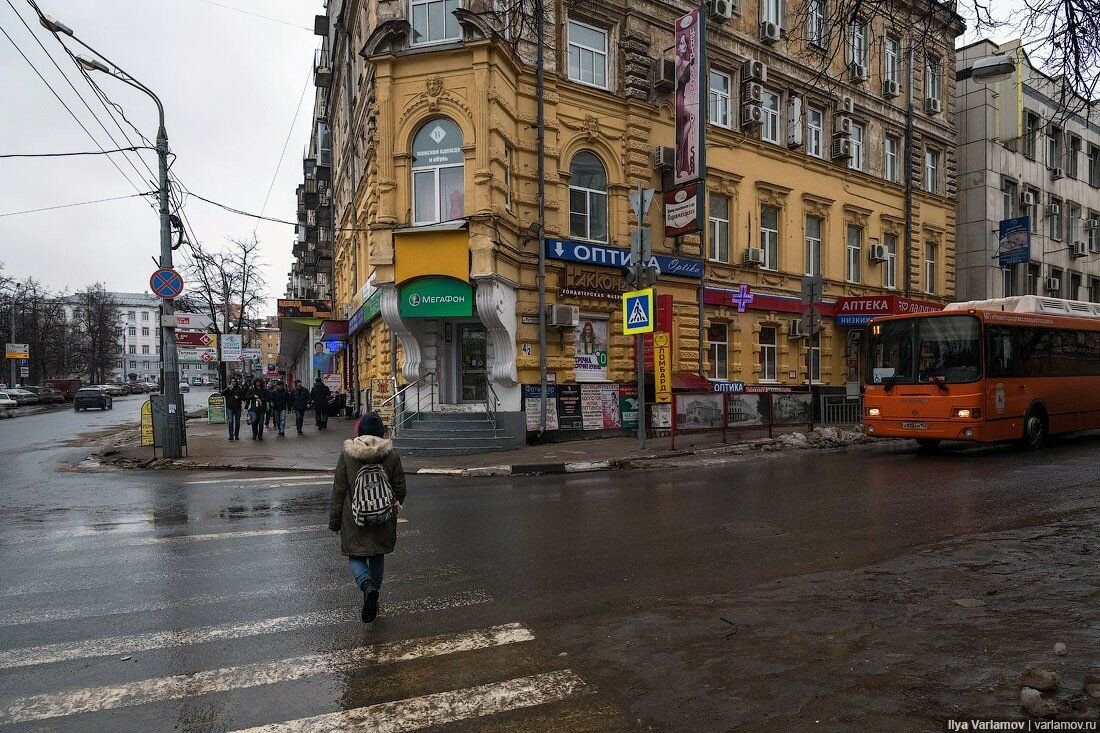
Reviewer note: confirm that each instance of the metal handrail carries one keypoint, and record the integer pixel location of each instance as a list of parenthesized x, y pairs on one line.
[(491, 404), (403, 415)]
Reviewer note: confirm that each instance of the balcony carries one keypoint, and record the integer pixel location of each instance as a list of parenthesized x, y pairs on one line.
[(322, 69)]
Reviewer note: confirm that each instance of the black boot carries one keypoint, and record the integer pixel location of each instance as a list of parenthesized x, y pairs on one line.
[(370, 605)]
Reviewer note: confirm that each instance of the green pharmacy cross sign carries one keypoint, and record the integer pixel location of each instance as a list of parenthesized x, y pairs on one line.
[(437, 297)]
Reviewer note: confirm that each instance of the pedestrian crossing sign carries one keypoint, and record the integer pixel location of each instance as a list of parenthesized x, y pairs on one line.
[(638, 312)]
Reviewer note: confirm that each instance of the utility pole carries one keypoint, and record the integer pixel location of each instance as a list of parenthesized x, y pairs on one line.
[(641, 275), (14, 296), (540, 93)]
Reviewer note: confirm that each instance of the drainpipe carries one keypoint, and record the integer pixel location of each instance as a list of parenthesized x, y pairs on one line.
[(909, 182), (541, 94)]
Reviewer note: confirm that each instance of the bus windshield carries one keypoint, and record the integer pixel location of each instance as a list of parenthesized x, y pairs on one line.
[(937, 350)]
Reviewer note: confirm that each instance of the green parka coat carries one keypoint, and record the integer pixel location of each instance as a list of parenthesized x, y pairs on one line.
[(375, 539)]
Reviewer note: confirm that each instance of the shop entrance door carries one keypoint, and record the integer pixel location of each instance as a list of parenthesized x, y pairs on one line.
[(472, 355)]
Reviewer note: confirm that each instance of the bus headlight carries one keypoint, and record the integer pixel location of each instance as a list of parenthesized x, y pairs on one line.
[(968, 413), (872, 412)]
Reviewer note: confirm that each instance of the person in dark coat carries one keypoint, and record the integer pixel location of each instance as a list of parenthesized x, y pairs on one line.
[(319, 397), (258, 402), (280, 401), (233, 395), (366, 546), (299, 400)]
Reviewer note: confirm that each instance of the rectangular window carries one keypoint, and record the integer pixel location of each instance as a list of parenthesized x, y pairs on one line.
[(1094, 289), (718, 355), (815, 132), (1093, 226), (133, 365), (1009, 194), (890, 266), (718, 238), (1074, 292), (890, 159), (932, 77), (813, 355), (815, 23), (767, 354), (145, 348), (1073, 223), (720, 86), (433, 21), (1032, 211), (769, 236), (1031, 133), (1054, 147), (1094, 165), (856, 161), (857, 43), (891, 55), (132, 331), (813, 245), (1008, 281), (145, 365), (145, 315), (769, 130), (1073, 155), (587, 54), (1054, 288), (931, 170), (132, 349), (930, 268), (1032, 279), (1054, 219), (130, 315), (144, 330), (772, 11), (854, 249)]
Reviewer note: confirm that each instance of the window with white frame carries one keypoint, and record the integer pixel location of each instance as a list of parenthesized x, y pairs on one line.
[(1073, 223), (132, 348), (769, 236), (814, 226), (132, 331), (1031, 133), (815, 132), (1094, 289), (1056, 274), (131, 315), (890, 266), (930, 268), (1032, 212), (433, 21), (772, 12), (1054, 219), (1054, 147), (1033, 273), (718, 237), (857, 42), (1008, 280), (587, 54), (768, 337), (815, 23), (933, 77), (133, 365), (854, 251), (931, 170), (438, 173), (1009, 196), (891, 58), (1093, 226), (1073, 157), (856, 161), (145, 348), (890, 156), (144, 330), (720, 86), (145, 315), (813, 356), (718, 351), (587, 197), (769, 130)]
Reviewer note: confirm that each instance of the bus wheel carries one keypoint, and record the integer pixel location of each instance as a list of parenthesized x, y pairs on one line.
[(1035, 430), (928, 444)]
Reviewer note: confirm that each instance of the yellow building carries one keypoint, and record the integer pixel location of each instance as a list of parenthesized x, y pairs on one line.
[(433, 113)]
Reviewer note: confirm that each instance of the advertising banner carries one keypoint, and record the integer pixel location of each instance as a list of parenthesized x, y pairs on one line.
[(380, 391), (684, 209), (858, 311), (609, 406), (691, 97), (748, 410), (628, 405), (532, 406), (196, 355), (304, 308), (231, 347), (591, 407), (146, 424), (604, 255), (1014, 241), (792, 409), (702, 411), (436, 297), (570, 415), (590, 360), (662, 367), (197, 339), (215, 410)]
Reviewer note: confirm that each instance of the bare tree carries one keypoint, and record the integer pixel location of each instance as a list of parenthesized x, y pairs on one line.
[(40, 323), (95, 347)]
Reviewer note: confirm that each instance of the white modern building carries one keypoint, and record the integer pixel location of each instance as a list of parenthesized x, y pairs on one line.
[(139, 324), (1026, 148)]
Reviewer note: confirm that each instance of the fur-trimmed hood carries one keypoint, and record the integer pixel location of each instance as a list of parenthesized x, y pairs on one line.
[(368, 448)]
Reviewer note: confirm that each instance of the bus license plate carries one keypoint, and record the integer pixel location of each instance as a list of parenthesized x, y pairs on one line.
[(915, 425)]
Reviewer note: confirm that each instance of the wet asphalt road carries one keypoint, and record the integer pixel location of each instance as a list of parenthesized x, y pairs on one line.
[(206, 601)]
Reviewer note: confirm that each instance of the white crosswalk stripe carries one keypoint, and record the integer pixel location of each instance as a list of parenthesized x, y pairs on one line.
[(67, 651), (440, 708), (42, 707)]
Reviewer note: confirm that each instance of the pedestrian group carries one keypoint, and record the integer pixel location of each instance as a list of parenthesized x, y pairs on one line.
[(267, 403)]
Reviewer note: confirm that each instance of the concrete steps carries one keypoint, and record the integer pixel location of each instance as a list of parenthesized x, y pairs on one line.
[(451, 434)]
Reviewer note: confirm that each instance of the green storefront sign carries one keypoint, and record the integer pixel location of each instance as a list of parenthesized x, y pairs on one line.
[(437, 297)]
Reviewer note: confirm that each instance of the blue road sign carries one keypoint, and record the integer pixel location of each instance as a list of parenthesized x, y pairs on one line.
[(638, 312), (603, 255), (166, 283)]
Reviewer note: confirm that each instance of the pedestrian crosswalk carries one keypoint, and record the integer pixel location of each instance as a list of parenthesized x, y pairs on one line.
[(457, 671)]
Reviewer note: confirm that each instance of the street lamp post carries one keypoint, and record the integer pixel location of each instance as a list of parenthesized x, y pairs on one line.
[(14, 297), (173, 438)]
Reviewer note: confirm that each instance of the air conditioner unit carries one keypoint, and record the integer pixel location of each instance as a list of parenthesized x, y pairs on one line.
[(933, 106), (1053, 210), (1056, 174), (563, 316), (752, 93), (845, 105), (664, 156), (842, 148), (664, 75), (754, 256), (794, 329), (842, 125), (1027, 198), (722, 10), (754, 71), (857, 72), (1054, 284), (878, 252), (752, 115), (1080, 249), (890, 89), (769, 31)]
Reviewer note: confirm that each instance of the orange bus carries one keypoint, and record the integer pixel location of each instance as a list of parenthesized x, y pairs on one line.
[(1010, 369)]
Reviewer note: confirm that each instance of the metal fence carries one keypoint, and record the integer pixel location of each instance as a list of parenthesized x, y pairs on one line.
[(841, 410)]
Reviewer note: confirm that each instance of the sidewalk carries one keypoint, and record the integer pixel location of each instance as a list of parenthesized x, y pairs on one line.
[(209, 447)]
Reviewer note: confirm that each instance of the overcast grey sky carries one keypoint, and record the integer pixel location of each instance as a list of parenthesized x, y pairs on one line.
[(230, 83)]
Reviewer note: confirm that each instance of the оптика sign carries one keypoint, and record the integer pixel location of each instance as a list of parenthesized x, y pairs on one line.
[(436, 297)]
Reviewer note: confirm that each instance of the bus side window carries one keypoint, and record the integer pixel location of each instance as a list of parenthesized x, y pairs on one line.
[(1001, 352)]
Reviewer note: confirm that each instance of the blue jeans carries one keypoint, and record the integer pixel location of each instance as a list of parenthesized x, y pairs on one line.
[(280, 420), (299, 418), (257, 418), (233, 420), (367, 570)]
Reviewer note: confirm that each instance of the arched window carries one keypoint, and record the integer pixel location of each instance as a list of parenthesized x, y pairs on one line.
[(439, 178), (587, 197)]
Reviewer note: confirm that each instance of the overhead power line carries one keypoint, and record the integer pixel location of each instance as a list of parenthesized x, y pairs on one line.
[(234, 210), (78, 203), (286, 143), (84, 152), (257, 15)]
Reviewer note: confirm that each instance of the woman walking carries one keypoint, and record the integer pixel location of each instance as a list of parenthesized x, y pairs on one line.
[(258, 401), (367, 493)]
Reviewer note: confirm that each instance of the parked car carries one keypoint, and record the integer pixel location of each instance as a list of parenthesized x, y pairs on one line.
[(46, 395), (185, 387), (67, 387), (7, 404), (151, 387), (92, 397), (134, 388), (116, 389), (22, 396)]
